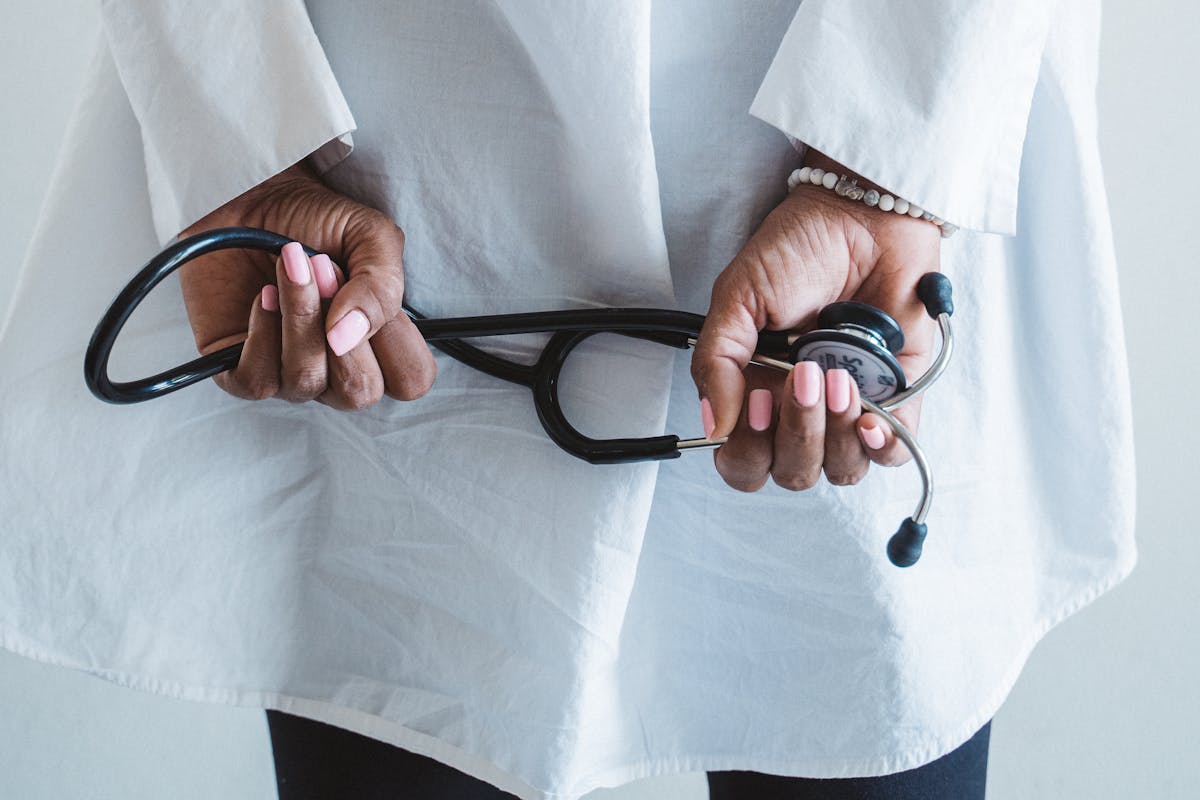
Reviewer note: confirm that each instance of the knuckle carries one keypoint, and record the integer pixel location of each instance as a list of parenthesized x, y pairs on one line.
[(721, 286), (744, 475), (840, 477), (361, 391), (229, 385), (796, 481), (892, 458), (389, 294), (414, 382), (304, 384), (746, 484), (407, 390), (253, 388), (225, 382), (302, 314), (260, 390)]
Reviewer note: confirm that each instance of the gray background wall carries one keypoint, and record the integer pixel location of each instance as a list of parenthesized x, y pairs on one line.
[(1106, 707)]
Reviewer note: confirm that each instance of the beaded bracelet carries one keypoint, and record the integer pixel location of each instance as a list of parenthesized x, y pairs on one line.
[(845, 186)]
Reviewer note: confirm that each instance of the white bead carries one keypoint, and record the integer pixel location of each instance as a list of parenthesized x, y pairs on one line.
[(804, 173), (948, 230), (829, 180), (887, 203), (871, 198), (915, 211), (816, 176), (937, 221), (793, 180), (901, 206)]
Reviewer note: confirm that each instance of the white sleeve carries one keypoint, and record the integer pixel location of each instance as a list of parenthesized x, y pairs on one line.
[(929, 100), (227, 94)]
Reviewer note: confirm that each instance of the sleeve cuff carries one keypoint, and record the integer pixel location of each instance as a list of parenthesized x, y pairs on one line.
[(932, 106), (225, 99)]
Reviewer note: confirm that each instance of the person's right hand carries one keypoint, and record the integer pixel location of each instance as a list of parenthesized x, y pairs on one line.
[(309, 334)]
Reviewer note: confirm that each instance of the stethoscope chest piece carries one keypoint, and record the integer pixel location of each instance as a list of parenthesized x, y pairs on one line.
[(860, 339)]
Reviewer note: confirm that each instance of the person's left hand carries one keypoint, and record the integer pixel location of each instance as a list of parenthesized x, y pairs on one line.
[(309, 334), (815, 248)]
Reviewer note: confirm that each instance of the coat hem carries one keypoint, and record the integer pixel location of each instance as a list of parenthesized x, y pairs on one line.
[(484, 769)]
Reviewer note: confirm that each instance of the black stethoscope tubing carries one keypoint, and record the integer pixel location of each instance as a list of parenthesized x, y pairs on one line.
[(568, 328)]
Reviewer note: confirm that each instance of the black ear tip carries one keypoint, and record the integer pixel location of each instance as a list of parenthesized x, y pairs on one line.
[(904, 548), (935, 292)]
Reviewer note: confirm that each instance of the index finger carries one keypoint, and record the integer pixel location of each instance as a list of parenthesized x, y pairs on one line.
[(373, 294)]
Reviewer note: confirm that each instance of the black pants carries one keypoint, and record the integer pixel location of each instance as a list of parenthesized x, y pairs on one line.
[(315, 761)]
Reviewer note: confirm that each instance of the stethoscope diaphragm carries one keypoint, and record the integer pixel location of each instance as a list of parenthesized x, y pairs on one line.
[(861, 339)]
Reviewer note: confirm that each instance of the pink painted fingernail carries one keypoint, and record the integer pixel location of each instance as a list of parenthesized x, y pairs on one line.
[(807, 384), (873, 437), (837, 390), (706, 418), (295, 264), (326, 278), (349, 331), (270, 298), (760, 407)]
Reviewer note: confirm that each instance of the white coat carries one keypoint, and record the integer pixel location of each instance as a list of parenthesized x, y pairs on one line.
[(437, 574)]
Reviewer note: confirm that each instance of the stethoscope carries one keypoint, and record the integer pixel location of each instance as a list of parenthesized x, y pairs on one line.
[(854, 336)]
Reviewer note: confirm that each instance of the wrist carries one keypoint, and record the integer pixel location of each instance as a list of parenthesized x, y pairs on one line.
[(818, 160), (241, 209)]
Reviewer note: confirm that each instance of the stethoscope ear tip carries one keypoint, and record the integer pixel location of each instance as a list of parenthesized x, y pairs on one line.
[(935, 292), (904, 548)]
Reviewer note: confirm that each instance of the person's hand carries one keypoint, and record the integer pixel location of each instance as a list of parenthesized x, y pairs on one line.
[(815, 248), (309, 334)]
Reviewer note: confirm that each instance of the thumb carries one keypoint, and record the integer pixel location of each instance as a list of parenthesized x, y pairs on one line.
[(370, 304), (724, 348), (373, 295)]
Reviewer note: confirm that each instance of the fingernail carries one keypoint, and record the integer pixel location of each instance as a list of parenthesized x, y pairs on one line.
[(837, 390), (807, 384), (873, 437), (326, 277), (295, 264), (349, 331), (706, 418), (270, 298), (760, 407)]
